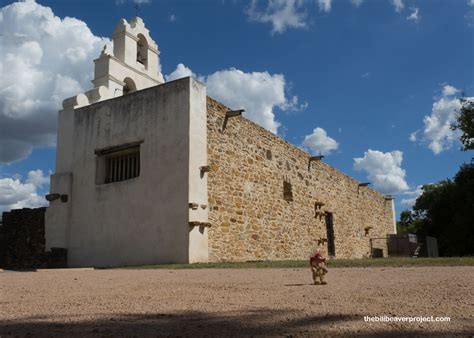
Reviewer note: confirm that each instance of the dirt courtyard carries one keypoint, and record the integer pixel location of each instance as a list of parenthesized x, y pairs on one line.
[(217, 302)]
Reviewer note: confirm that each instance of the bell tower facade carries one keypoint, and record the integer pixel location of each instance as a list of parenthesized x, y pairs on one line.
[(134, 63)]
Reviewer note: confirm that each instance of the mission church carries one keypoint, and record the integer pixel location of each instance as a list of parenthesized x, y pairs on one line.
[(149, 172)]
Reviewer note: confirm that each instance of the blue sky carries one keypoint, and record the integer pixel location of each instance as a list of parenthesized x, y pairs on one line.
[(337, 77)]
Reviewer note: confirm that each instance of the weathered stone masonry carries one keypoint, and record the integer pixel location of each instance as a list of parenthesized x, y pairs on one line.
[(251, 219)]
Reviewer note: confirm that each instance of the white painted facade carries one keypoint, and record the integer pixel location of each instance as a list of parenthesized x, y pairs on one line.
[(159, 216)]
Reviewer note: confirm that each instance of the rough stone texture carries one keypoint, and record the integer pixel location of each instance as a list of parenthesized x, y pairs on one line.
[(22, 237), (250, 216)]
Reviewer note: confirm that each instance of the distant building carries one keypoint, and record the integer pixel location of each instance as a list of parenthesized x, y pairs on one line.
[(150, 172)]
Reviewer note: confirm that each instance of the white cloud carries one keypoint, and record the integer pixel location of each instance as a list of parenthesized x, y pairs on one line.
[(259, 93), (180, 72), (399, 5), (383, 170), (44, 60), (413, 136), (282, 14), (357, 3), (437, 132), (319, 143), (37, 178), (450, 90), (15, 194), (470, 3), (324, 5), (414, 15), (412, 195), (172, 18)]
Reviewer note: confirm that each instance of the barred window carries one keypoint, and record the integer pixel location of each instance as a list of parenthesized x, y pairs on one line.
[(119, 163), (122, 167)]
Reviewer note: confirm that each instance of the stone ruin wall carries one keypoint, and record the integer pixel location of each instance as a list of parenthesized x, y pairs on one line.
[(250, 219), (22, 241)]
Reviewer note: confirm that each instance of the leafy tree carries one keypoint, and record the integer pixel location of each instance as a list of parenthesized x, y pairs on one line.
[(465, 123), (445, 210), (407, 224)]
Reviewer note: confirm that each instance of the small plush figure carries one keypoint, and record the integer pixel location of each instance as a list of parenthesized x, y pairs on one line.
[(318, 267)]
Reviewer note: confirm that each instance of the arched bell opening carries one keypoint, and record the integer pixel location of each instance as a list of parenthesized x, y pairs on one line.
[(129, 86), (142, 50)]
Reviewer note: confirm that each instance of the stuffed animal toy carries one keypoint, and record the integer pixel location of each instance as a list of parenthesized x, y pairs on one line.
[(318, 267)]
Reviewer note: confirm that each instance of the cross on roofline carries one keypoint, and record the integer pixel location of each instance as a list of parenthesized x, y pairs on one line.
[(137, 8)]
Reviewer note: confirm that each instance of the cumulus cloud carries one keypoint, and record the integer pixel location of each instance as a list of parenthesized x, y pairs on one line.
[(44, 59), (15, 194), (437, 132), (325, 5), (414, 15), (450, 90), (470, 3), (319, 143), (259, 93), (383, 170), (411, 196), (398, 5), (282, 14), (180, 72)]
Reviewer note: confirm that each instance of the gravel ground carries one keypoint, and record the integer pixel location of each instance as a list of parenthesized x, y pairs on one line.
[(217, 302)]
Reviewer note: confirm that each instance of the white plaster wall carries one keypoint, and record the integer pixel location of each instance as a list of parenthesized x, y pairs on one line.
[(64, 141), (394, 217), (143, 220), (57, 216), (198, 249), (198, 244)]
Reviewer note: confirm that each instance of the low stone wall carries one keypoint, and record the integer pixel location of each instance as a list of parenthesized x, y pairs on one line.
[(22, 241), (23, 238), (264, 195)]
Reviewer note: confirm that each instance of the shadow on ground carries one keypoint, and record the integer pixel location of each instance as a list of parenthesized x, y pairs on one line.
[(248, 323)]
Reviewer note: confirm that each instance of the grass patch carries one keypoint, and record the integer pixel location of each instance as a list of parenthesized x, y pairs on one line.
[(333, 263)]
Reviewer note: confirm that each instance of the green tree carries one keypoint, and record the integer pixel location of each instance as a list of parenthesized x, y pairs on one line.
[(445, 210), (407, 223), (465, 123)]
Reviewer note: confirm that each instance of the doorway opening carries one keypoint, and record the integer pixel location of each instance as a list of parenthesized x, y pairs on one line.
[(330, 234)]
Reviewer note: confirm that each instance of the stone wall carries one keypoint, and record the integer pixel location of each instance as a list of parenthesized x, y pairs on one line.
[(22, 239), (252, 219), (22, 242)]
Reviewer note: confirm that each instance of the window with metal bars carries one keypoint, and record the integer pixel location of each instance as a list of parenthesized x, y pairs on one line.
[(122, 166)]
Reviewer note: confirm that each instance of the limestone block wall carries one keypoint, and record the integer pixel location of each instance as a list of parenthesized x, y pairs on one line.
[(251, 220)]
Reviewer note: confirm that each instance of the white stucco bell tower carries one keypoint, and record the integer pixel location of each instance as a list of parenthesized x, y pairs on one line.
[(134, 63)]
